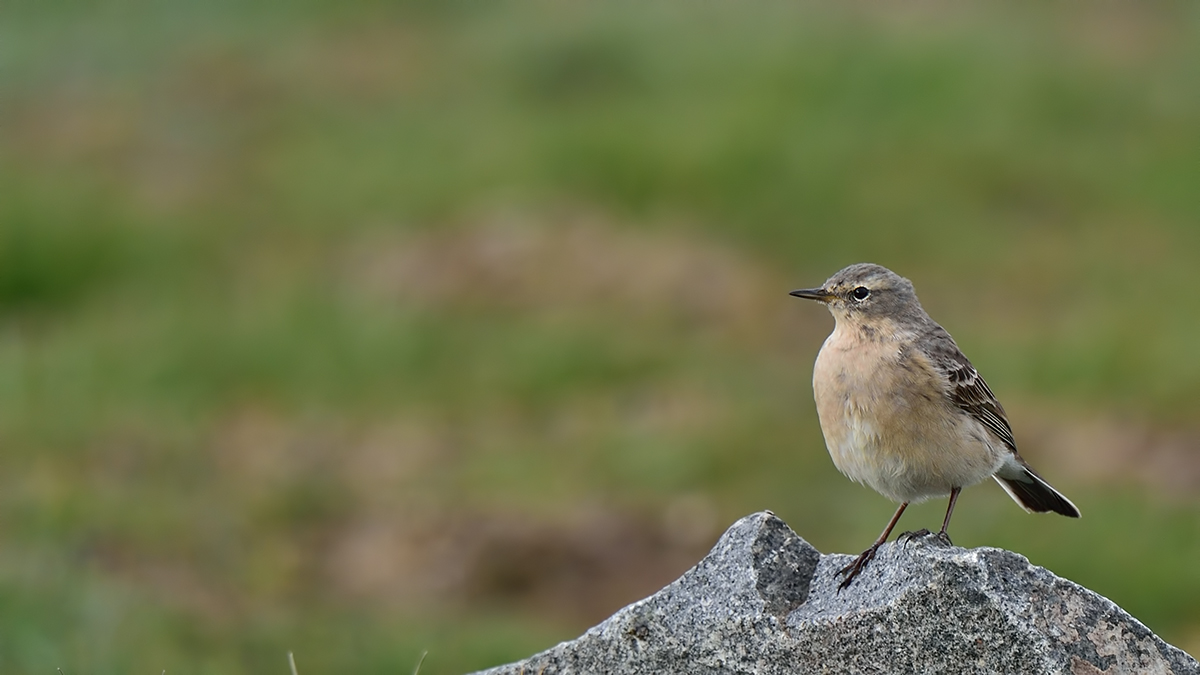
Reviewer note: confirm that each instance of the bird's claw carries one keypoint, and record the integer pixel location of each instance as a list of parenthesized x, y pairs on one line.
[(922, 533), (856, 566), (907, 537)]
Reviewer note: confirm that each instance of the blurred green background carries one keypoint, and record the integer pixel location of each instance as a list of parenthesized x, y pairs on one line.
[(365, 329)]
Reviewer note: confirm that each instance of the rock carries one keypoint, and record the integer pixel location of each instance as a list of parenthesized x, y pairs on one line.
[(765, 601)]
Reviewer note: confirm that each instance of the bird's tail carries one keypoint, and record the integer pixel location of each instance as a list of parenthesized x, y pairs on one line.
[(1032, 491)]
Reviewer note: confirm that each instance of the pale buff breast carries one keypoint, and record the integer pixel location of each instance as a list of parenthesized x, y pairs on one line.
[(887, 425)]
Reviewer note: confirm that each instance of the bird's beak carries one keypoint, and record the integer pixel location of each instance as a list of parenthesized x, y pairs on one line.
[(818, 294)]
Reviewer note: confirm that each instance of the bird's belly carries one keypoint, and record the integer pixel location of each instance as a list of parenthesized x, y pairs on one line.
[(883, 428), (908, 465)]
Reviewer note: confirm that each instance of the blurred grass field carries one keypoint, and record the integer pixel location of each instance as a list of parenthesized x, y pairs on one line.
[(364, 329)]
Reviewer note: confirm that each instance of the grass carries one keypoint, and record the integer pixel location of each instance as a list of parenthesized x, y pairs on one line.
[(311, 313)]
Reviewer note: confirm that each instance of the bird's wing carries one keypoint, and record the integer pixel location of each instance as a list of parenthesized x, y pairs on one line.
[(967, 390)]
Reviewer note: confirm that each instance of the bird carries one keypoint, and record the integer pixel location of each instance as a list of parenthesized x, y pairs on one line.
[(902, 409)]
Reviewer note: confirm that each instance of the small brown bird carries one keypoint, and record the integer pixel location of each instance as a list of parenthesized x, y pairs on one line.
[(902, 409)]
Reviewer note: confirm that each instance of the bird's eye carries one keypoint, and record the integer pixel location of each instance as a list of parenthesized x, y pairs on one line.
[(861, 293)]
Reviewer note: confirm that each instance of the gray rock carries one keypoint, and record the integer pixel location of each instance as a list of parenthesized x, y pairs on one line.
[(765, 601)]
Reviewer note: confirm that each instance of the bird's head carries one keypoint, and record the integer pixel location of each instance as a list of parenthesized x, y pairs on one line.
[(864, 291)]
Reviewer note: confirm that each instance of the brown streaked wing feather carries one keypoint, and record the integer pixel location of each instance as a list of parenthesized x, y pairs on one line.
[(967, 389)]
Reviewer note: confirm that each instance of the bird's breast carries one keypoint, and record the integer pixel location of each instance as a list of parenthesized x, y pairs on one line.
[(853, 382), (885, 419)]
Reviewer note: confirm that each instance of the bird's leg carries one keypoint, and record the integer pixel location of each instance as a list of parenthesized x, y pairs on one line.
[(860, 563), (949, 512), (941, 535)]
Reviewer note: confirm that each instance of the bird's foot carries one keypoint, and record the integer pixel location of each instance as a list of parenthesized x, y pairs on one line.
[(858, 565), (906, 537), (922, 533)]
